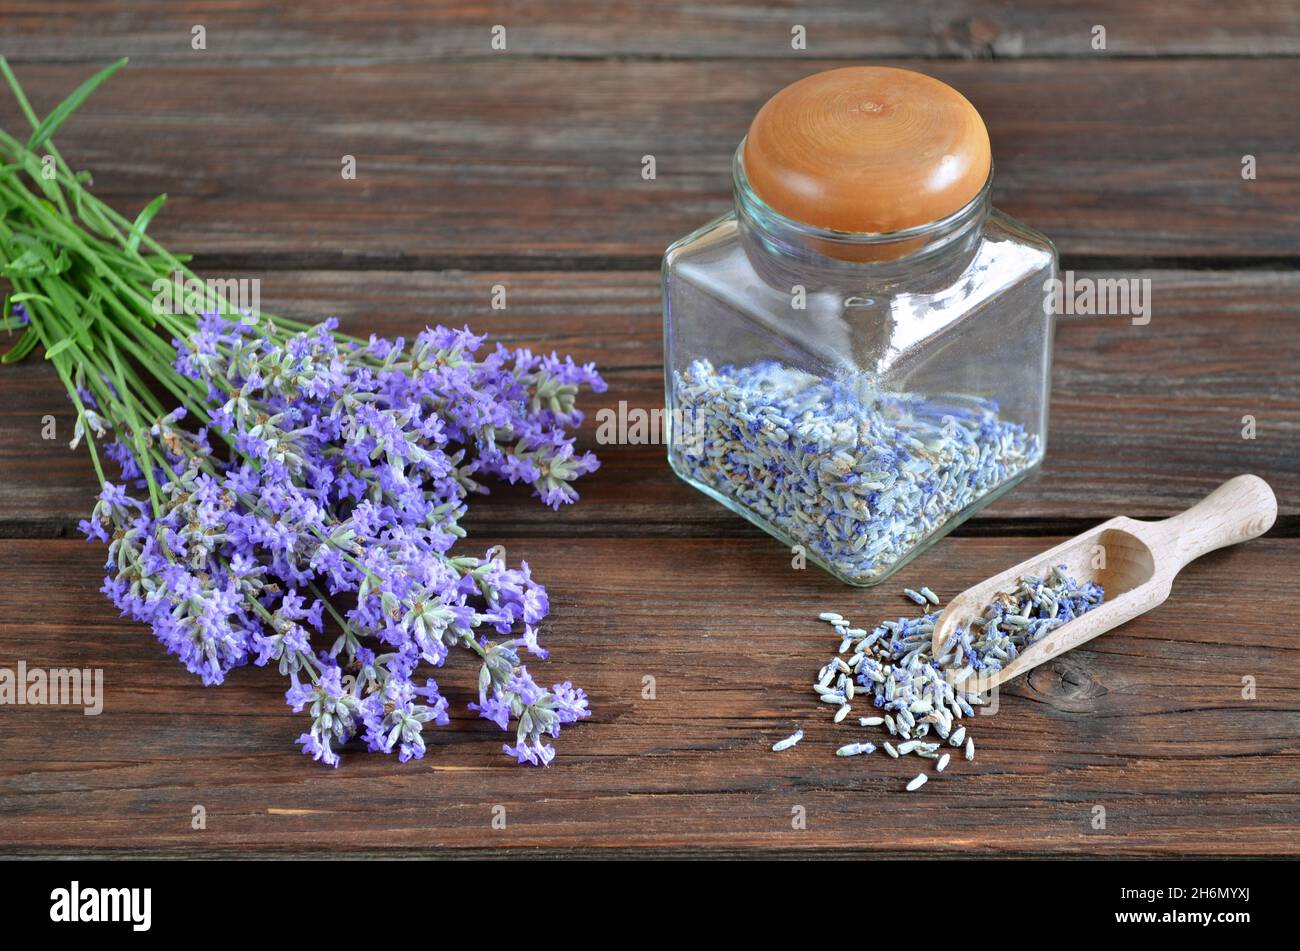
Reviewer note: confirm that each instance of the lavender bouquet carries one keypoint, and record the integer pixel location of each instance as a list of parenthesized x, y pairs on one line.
[(287, 494)]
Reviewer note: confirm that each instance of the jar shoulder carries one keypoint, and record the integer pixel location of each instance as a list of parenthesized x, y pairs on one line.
[(1039, 252), (716, 258), (704, 245)]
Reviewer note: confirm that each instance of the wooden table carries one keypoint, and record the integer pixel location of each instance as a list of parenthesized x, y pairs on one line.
[(523, 168)]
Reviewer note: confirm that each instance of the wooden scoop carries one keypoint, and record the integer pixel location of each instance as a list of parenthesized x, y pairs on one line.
[(1137, 571)]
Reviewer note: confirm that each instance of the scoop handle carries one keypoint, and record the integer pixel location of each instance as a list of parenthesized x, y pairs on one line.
[(1242, 508)]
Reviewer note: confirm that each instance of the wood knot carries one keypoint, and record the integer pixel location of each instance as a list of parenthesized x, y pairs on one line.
[(1066, 684), (974, 37)]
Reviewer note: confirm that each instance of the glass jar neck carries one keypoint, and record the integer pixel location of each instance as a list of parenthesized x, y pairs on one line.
[(792, 248)]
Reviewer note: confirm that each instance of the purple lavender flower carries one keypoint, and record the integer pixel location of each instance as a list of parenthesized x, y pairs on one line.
[(347, 474)]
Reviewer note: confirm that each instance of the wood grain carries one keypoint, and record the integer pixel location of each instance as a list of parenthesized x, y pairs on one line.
[(523, 168), (525, 160), (1148, 722), (1144, 419), (316, 31)]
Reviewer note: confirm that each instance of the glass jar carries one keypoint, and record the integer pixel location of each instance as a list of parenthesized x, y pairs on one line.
[(857, 357)]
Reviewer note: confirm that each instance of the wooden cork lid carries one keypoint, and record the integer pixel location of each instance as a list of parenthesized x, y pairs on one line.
[(867, 149)]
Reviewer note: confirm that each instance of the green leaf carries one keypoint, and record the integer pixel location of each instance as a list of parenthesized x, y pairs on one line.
[(158, 264), (58, 348), (27, 264), (26, 295), (38, 260), (92, 216), (25, 345), (69, 105), (32, 165), (142, 221)]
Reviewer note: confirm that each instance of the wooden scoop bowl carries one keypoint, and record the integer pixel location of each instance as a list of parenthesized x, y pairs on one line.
[(1137, 571)]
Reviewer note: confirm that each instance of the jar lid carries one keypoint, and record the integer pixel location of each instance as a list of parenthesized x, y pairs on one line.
[(867, 149)]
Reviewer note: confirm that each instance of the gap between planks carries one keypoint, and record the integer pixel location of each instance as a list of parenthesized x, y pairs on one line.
[(726, 526), (348, 262)]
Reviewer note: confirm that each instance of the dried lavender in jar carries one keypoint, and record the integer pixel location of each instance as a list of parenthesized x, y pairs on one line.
[(858, 477)]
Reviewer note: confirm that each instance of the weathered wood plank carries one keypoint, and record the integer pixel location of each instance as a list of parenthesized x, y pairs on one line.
[(1145, 419), (319, 31), (526, 159), (1149, 722)]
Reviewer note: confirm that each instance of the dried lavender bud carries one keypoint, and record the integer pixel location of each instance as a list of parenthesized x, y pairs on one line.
[(789, 741), (897, 672), (855, 749), (858, 478)]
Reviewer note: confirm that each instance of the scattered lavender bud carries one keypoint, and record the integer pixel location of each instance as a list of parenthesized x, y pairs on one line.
[(855, 749), (788, 742), (917, 783), (943, 762), (917, 693)]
